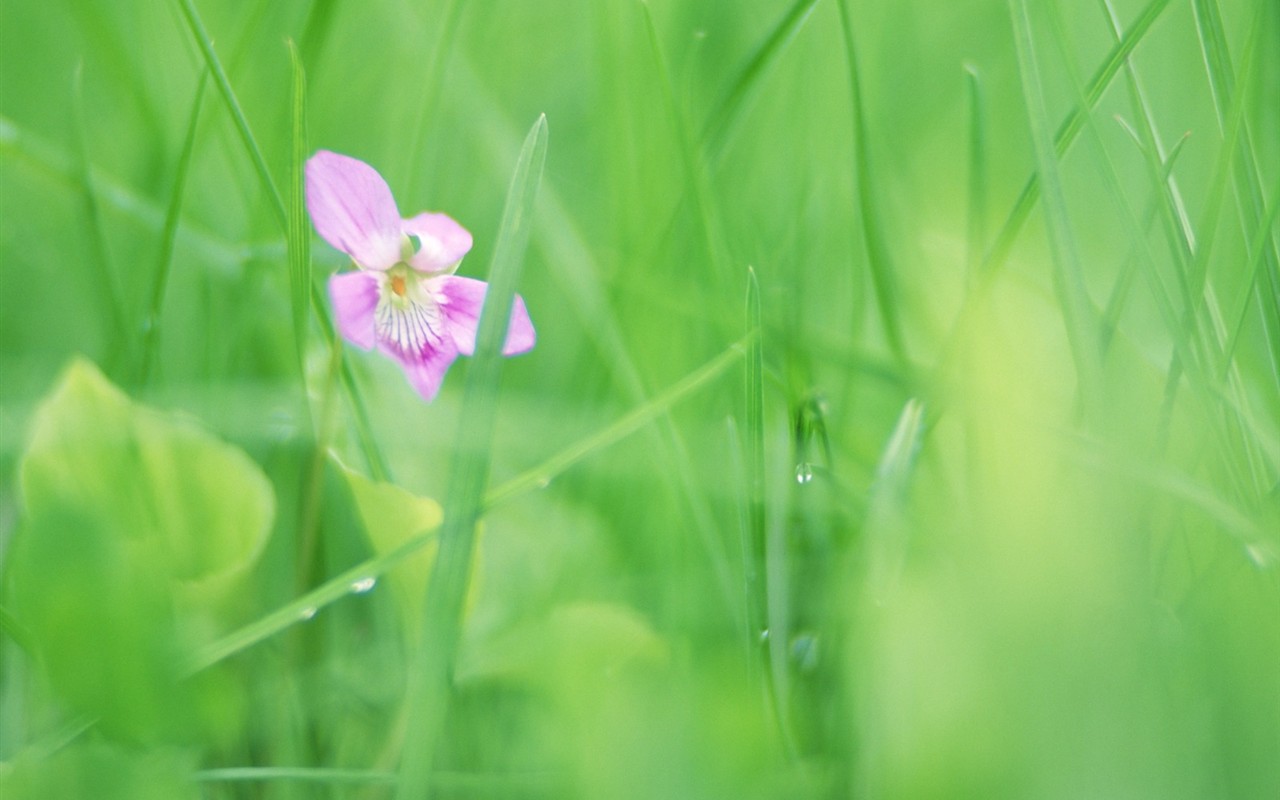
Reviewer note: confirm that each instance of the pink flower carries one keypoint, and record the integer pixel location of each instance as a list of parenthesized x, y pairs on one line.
[(404, 299)]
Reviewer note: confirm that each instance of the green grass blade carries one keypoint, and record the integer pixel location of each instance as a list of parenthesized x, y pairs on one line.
[(977, 170), (431, 82), (309, 604), (103, 272), (723, 122), (879, 254), (60, 169), (305, 607), (886, 528), (1067, 133), (1255, 262), (299, 774), (1247, 184), (428, 693), (637, 418), (233, 105), (695, 169), (298, 239), (1078, 310), (364, 431), (168, 238), (754, 557)]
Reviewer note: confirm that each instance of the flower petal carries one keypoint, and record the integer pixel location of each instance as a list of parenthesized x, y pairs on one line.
[(426, 368), (352, 208), (442, 242), (355, 298), (461, 300)]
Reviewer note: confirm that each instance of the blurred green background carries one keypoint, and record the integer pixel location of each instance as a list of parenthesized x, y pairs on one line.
[(999, 517)]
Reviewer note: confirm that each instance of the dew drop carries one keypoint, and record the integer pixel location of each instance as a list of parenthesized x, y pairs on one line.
[(363, 584), (307, 613), (764, 636), (804, 473), (544, 481)]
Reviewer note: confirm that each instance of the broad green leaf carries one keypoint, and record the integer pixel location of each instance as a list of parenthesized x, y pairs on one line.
[(137, 529), (202, 507)]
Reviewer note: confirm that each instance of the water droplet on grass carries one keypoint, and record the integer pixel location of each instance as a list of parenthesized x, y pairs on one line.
[(307, 613), (804, 473), (363, 585)]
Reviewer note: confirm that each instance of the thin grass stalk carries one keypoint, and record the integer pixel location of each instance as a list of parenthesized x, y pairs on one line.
[(724, 122), (430, 677), (977, 171), (377, 464), (880, 257), (103, 271), (168, 238), (1078, 311)]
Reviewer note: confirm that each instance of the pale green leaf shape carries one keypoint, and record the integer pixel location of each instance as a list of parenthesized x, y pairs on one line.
[(137, 527), (392, 516), (576, 643), (200, 508)]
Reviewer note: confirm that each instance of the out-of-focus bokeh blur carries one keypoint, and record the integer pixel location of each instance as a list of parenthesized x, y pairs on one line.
[(904, 420)]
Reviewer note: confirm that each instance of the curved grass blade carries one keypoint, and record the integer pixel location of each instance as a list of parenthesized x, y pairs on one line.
[(1067, 133), (103, 272), (233, 105), (431, 82), (977, 170), (754, 556), (1078, 310), (879, 254), (542, 474), (723, 122), (373, 455), (306, 606), (298, 235), (886, 528), (428, 693), (168, 238)]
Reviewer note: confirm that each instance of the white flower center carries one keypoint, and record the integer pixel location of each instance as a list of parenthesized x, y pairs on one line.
[(407, 317)]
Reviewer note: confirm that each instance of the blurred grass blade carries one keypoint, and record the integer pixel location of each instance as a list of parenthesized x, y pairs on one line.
[(168, 238), (1254, 262), (1067, 133), (432, 79), (299, 233), (754, 555), (299, 774), (378, 467), (233, 105), (305, 607), (692, 158), (723, 122), (429, 683), (880, 256), (308, 605), (1247, 184), (886, 528), (103, 272), (977, 171), (633, 421), (1078, 310)]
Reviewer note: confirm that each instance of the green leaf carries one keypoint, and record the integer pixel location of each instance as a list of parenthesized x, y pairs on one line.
[(392, 517), (138, 528)]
